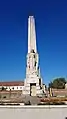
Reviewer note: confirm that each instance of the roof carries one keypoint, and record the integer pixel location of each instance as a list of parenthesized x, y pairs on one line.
[(12, 83)]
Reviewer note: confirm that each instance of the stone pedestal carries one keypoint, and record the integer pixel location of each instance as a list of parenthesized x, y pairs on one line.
[(29, 83)]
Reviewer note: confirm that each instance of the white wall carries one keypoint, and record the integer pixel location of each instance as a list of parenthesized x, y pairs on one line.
[(33, 112), (66, 86), (11, 87)]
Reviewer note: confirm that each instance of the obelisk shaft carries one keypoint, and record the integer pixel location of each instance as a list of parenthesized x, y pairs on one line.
[(31, 35)]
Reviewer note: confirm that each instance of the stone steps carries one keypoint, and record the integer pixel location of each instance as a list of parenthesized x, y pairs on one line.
[(31, 99)]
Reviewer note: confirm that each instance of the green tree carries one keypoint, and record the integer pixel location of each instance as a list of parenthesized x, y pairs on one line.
[(58, 83), (3, 88)]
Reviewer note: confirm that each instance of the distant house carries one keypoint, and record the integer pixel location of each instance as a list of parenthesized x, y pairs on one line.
[(13, 85)]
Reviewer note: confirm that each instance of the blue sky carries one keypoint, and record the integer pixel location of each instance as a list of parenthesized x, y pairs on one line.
[(51, 30)]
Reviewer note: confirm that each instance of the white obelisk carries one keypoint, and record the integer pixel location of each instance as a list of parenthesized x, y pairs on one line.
[(31, 35), (33, 81)]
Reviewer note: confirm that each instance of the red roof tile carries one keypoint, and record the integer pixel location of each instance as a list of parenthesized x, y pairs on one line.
[(12, 83)]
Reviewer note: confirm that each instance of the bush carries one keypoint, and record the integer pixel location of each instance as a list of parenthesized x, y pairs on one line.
[(4, 97)]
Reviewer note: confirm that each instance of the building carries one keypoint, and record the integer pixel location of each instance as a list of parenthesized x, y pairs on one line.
[(33, 82), (14, 85)]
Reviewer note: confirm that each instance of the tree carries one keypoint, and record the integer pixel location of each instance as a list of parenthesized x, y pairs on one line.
[(58, 83), (3, 88)]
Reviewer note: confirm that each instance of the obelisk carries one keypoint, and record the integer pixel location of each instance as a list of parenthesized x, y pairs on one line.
[(31, 34), (33, 81)]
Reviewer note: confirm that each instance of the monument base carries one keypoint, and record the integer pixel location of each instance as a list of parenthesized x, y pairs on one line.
[(32, 87)]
